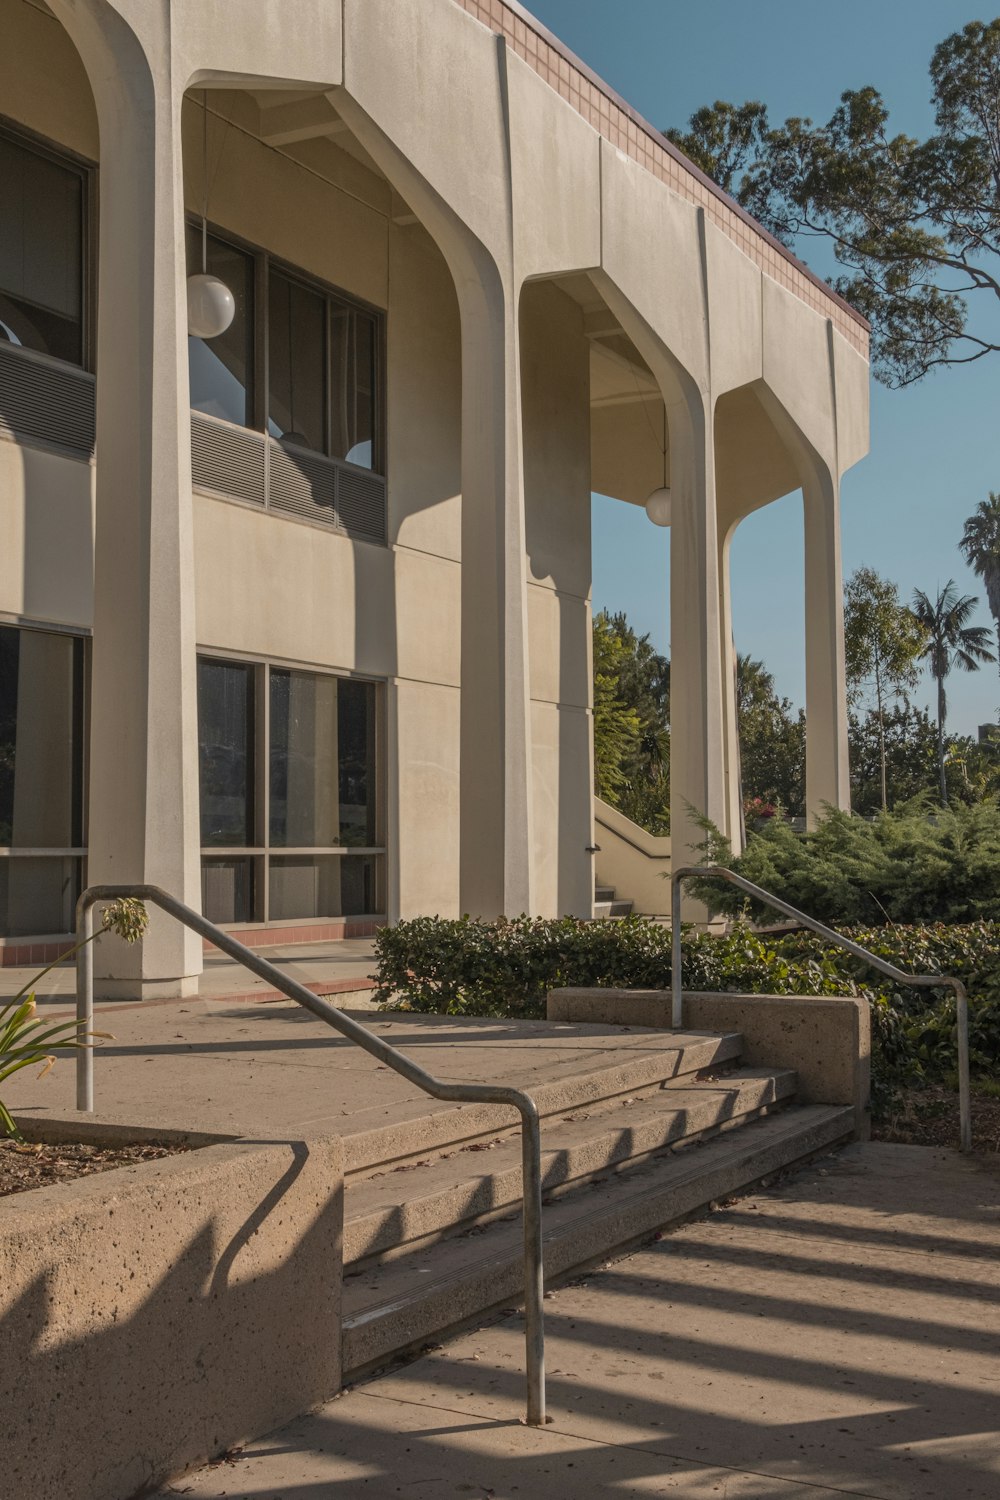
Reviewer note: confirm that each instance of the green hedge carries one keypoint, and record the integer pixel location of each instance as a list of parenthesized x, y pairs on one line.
[(506, 969)]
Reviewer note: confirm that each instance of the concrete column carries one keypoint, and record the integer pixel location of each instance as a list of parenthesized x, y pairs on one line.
[(495, 770), (143, 803), (827, 768), (697, 720), (731, 735)]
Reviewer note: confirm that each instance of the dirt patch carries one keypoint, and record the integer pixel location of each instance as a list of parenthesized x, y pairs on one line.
[(929, 1117), (34, 1165)]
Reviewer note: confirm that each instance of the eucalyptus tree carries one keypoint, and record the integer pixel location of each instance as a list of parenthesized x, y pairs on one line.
[(981, 546), (915, 224), (949, 642), (882, 644)]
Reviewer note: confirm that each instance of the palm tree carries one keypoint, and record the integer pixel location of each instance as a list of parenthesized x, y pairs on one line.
[(981, 545), (950, 642)]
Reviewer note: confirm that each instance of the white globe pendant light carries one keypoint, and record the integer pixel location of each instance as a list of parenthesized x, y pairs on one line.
[(658, 506), (211, 306)]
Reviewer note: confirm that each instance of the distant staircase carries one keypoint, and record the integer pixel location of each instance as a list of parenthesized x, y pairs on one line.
[(606, 903), (432, 1233)]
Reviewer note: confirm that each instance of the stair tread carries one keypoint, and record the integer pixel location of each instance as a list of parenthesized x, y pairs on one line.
[(389, 1307), (643, 1057), (445, 1189)]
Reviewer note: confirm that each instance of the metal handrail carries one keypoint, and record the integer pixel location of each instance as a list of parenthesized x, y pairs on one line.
[(472, 1093), (924, 981)]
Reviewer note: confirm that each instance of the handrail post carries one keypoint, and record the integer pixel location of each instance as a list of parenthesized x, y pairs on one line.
[(375, 1046), (534, 1290), (85, 1003), (677, 1016), (964, 1083)]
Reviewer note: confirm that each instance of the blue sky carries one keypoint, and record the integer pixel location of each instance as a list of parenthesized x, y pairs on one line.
[(935, 448)]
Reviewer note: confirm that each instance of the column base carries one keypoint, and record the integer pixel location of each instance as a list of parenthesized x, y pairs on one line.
[(146, 989)]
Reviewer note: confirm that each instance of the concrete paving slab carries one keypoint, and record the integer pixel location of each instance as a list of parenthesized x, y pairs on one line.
[(222, 1066), (836, 1334)]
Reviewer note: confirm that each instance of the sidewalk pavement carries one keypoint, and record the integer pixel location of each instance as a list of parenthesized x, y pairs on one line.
[(837, 1334), (341, 967)]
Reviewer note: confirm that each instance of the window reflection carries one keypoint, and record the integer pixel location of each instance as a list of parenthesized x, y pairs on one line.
[(225, 753), (221, 369), (320, 768), (41, 252), (296, 363), (41, 740)]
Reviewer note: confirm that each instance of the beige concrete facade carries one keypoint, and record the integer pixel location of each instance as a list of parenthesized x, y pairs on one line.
[(555, 286)]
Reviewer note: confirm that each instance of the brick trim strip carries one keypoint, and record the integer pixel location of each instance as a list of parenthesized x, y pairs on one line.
[(616, 120)]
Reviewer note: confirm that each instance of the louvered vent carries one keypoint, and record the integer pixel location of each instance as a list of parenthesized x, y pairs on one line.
[(42, 400), (302, 483), (235, 461), (229, 460), (361, 504)]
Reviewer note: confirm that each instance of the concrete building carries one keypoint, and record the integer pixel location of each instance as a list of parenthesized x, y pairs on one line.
[(295, 620)]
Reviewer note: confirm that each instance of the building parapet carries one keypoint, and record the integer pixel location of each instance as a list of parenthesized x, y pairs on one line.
[(614, 119)]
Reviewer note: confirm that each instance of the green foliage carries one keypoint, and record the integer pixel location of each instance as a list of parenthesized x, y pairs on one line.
[(772, 741), (949, 642), (980, 545), (915, 224), (913, 865), (631, 723), (506, 968), (26, 1040)]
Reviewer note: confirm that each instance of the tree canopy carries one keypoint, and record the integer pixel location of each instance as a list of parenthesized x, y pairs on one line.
[(915, 224)]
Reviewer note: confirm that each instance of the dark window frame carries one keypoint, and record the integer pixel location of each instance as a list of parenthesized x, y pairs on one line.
[(87, 171), (260, 854), (264, 262)]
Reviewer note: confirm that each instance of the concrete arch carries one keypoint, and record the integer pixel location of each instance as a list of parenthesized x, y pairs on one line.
[(788, 460), (496, 818)]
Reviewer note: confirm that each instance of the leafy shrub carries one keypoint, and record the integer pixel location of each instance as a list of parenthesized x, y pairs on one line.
[(26, 1039), (914, 865), (506, 969)]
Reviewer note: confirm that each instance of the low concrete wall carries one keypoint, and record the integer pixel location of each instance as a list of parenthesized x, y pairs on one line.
[(826, 1039), (635, 862), (153, 1316)]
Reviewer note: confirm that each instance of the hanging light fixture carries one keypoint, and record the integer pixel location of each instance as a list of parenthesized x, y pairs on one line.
[(211, 306), (658, 506)]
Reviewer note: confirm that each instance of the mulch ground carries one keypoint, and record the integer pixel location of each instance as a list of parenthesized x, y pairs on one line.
[(33, 1166), (929, 1117)]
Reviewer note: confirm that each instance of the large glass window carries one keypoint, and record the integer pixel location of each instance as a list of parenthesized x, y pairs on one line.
[(293, 832), (299, 360), (221, 369), (41, 779), (42, 209), (225, 751), (296, 352)]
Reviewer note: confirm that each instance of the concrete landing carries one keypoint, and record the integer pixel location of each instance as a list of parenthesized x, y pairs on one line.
[(254, 1068), (838, 1334)]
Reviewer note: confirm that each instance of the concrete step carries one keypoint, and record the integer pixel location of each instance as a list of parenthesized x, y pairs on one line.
[(611, 909), (385, 1212), (403, 1303), (604, 893), (664, 1055)]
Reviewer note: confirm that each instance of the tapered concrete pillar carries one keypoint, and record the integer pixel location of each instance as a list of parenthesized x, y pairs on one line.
[(697, 714), (732, 770), (827, 767), (495, 769), (143, 789)]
